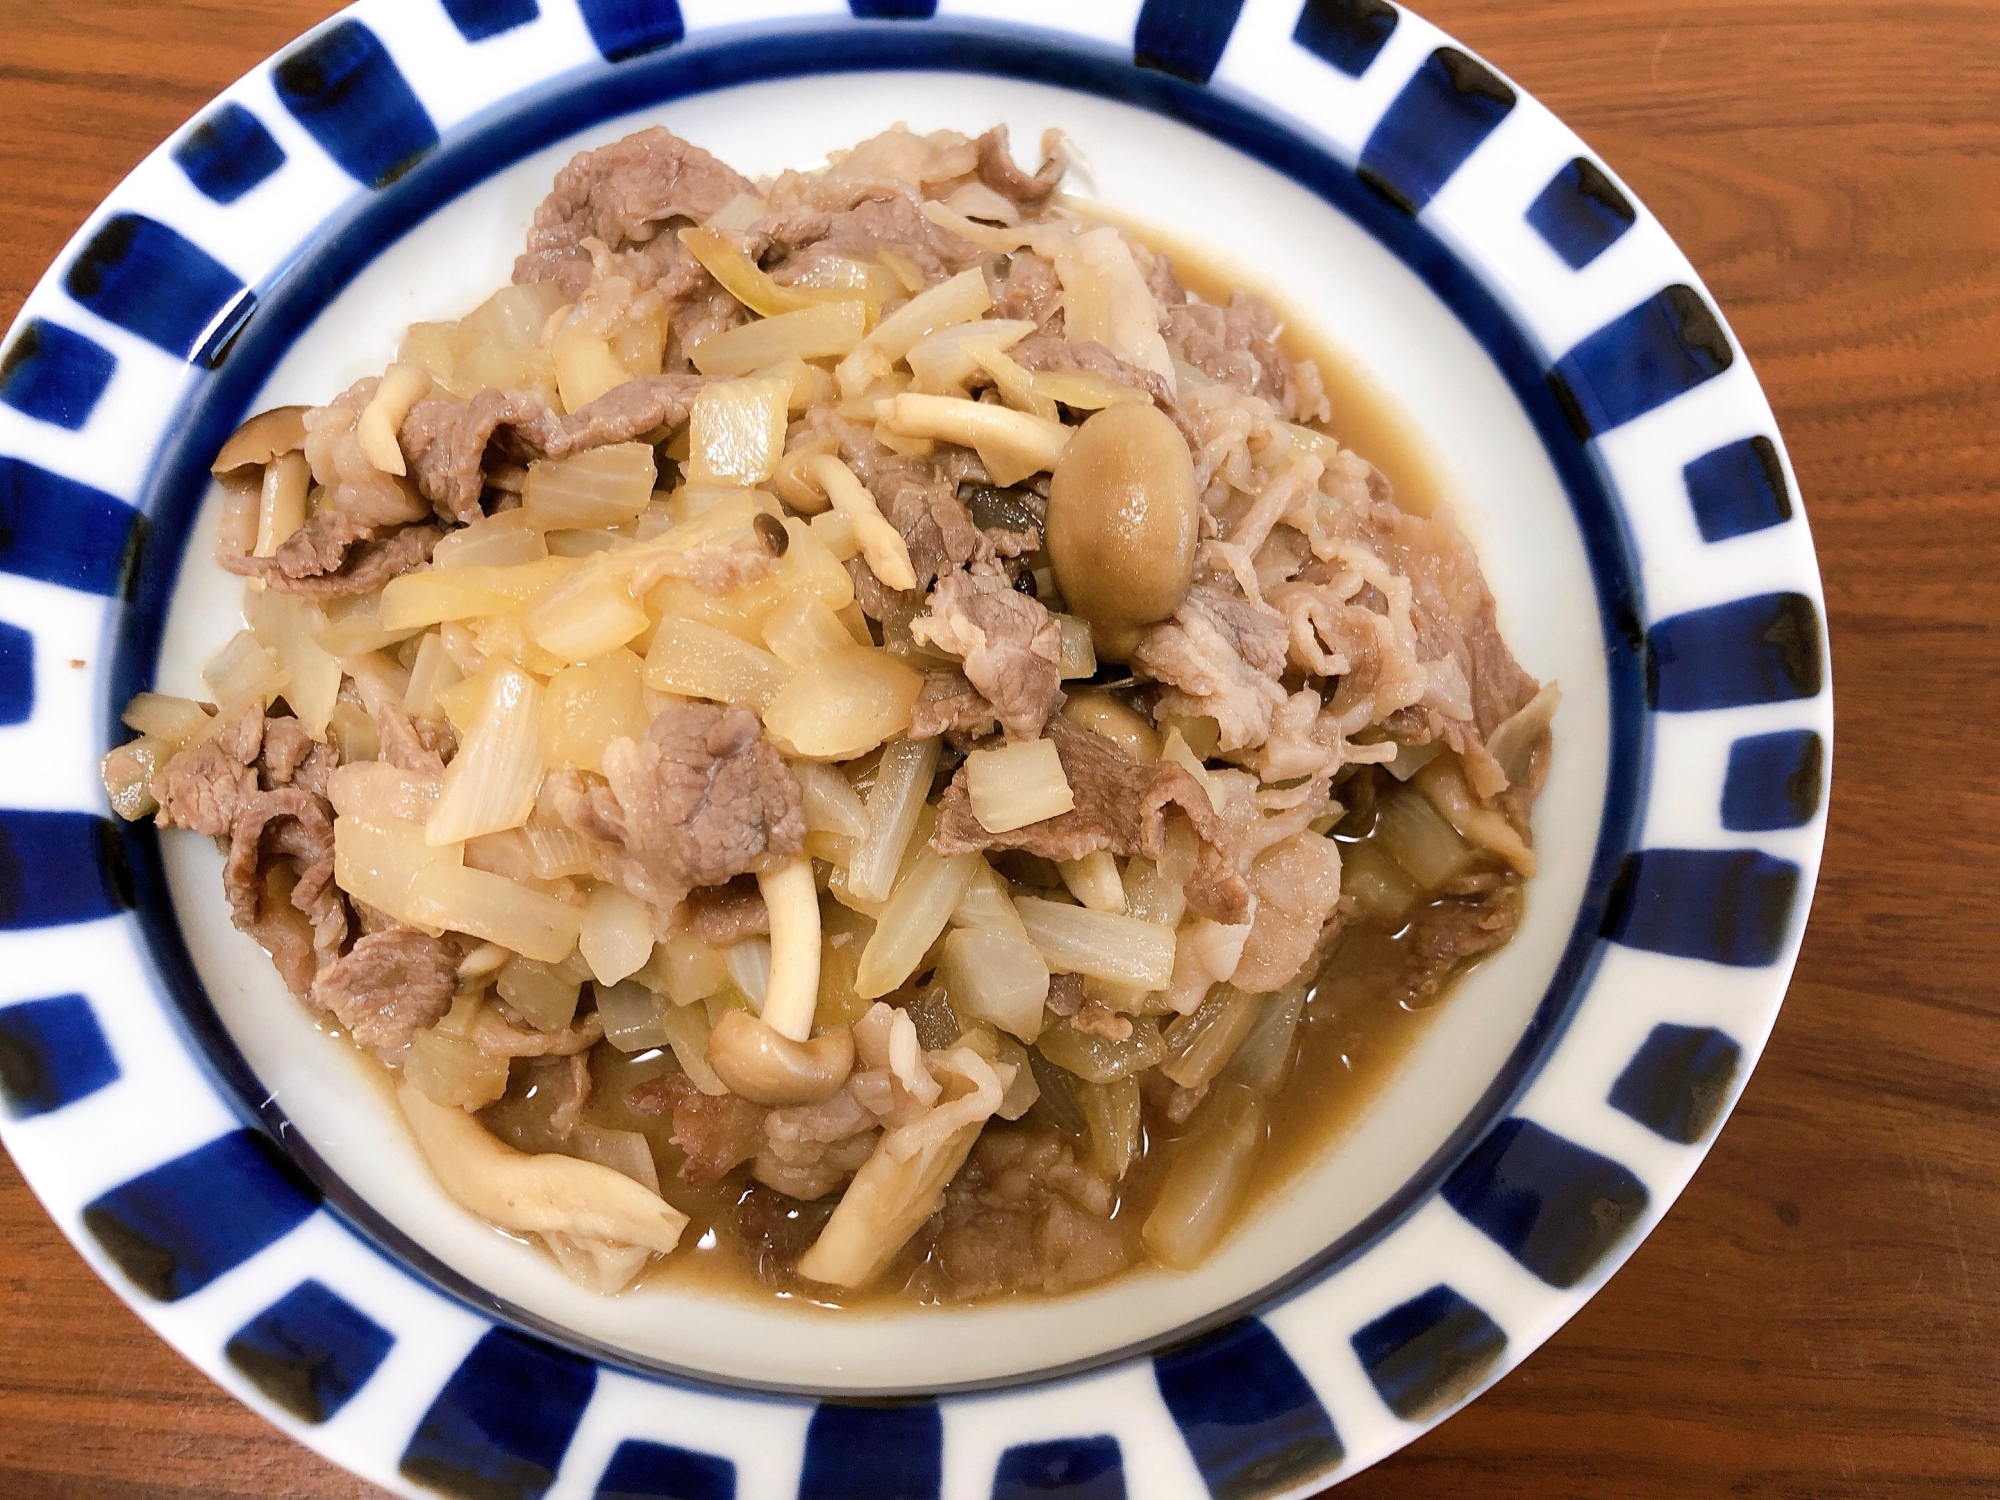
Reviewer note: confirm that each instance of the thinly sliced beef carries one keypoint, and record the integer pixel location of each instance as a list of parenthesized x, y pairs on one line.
[(203, 789), (1023, 1214), (1221, 656), (286, 747), (330, 557), (289, 824), (1123, 806), (292, 757), (949, 705), (1031, 290), (628, 411), (724, 915), (696, 802), (1448, 933), (1238, 345), (999, 171), (446, 441), (1453, 613), (389, 986), (859, 221), (353, 484), (1010, 644), (623, 195), (717, 1132)]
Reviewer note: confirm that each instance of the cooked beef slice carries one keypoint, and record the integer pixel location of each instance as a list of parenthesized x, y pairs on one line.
[(1447, 933), (294, 825), (332, 558), (696, 802), (1010, 644), (724, 915), (448, 442), (624, 195), (389, 986), (716, 1132), (1221, 656), (1122, 805)]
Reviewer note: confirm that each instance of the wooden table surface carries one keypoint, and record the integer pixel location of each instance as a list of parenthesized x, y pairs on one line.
[(1819, 1315)]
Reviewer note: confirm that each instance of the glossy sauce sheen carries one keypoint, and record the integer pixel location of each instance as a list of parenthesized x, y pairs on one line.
[(1352, 1035)]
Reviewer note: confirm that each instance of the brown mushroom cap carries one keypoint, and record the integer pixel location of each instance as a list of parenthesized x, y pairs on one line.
[(261, 439), (1123, 522)]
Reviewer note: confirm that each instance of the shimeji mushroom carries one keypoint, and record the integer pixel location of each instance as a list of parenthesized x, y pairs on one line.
[(903, 1183), (773, 1058), (547, 1194)]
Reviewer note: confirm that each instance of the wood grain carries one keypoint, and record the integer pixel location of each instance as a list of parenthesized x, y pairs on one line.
[(1816, 1319)]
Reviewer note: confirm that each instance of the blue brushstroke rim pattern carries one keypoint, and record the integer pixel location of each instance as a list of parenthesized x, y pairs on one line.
[(706, 62)]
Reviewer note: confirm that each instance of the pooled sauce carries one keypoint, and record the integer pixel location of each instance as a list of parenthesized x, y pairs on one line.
[(1354, 1032)]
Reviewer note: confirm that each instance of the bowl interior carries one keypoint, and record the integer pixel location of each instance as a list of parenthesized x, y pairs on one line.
[(1363, 299)]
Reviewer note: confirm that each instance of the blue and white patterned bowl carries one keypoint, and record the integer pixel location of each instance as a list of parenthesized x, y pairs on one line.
[(1615, 462)]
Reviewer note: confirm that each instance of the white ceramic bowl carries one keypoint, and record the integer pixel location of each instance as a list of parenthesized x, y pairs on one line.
[(1608, 451)]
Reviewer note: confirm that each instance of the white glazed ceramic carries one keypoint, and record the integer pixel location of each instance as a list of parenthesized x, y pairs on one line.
[(1499, 287)]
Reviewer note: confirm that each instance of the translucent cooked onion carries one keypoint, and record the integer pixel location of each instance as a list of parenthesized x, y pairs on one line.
[(831, 803), (453, 1071), (1076, 940), (1200, 1045), (170, 720), (1264, 1059), (998, 977), (1099, 1059), (700, 661), (1014, 785), (1206, 1181), (432, 673), (1377, 882), (749, 964), (1112, 1110), (543, 995), (586, 707), (634, 1017), (604, 487), (244, 670), (828, 330), (496, 909), (916, 914), (585, 616), (127, 772), (354, 627), (1419, 838), (494, 542), (687, 1031), (585, 368), (1094, 881), (902, 783), (433, 595), (491, 782), (616, 938), (736, 432), (842, 705)]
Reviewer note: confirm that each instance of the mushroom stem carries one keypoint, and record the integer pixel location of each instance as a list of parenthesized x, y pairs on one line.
[(887, 553), (773, 1070), (1012, 444), (402, 388), (792, 993)]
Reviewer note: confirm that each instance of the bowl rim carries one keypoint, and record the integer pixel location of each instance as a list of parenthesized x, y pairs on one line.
[(822, 40)]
